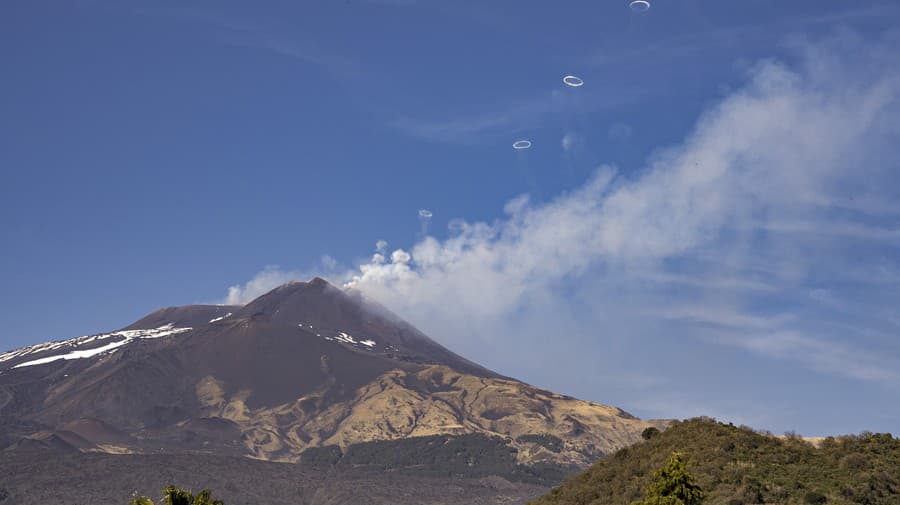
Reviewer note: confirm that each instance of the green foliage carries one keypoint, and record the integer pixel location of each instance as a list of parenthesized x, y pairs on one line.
[(738, 466), (814, 498), (649, 433), (141, 500), (174, 496), (673, 486)]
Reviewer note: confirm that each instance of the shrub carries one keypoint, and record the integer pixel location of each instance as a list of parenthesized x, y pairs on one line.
[(814, 498), (649, 433), (174, 496)]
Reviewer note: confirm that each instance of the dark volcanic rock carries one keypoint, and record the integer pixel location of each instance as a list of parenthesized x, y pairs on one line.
[(190, 316), (300, 338), (29, 478), (326, 309)]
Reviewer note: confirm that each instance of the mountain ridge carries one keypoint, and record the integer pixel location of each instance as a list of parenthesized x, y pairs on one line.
[(305, 365)]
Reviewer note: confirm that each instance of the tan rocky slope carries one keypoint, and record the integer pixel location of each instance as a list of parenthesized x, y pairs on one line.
[(543, 426)]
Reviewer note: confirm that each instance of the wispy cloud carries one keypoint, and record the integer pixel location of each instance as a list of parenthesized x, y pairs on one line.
[(519, 115), (459, 129), (716, 242), (690, 43), (241, 32), (824, 355), (730, 191)]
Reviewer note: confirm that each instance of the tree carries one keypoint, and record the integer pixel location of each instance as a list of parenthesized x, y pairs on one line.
[(649, 433), (174, 496), (673, 486)]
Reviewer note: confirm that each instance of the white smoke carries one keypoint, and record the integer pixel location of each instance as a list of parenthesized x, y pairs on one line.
[(263, 282), (771, 232), (756, 187)]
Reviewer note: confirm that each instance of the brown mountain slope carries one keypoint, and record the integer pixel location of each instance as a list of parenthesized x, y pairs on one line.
[(435, 400), (306, 365)]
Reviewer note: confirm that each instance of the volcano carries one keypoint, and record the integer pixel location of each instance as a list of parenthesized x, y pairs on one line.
[(306, 367)]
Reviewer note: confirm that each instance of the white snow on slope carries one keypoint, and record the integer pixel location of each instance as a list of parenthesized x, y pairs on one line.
[(126, 336), (339, 336), (346, 338), (220, 318), (87, 353)]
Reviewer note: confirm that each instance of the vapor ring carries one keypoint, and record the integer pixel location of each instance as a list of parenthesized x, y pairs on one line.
[(574, 81), (639, 5), (521, 144)]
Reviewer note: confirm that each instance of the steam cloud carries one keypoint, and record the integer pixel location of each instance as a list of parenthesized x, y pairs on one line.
[(758, 198), (767, 230)]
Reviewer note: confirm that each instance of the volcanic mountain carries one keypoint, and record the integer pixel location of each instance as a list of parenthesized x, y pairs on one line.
[(304, 367)]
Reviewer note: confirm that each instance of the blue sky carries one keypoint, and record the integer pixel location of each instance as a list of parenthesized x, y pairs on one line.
[(711, 223)]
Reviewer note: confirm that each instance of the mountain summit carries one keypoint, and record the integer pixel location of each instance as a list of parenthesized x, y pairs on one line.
[(304, 366)]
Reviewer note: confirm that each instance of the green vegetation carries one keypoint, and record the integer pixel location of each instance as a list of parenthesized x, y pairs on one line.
[(673, 486), (737, 466), (649, 433), (174, 496)]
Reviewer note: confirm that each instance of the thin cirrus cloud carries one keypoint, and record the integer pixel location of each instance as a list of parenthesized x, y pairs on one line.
[(739, 224), (734, 190), (522, 114), (688, 44), (238, 31)]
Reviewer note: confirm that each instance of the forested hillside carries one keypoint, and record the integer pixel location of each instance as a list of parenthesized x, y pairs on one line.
[(738, 466)]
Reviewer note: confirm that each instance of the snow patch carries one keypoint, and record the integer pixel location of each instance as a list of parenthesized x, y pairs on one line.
[(87, 353), (340, 336), (221, 318), (126, 336), (346, 338)]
